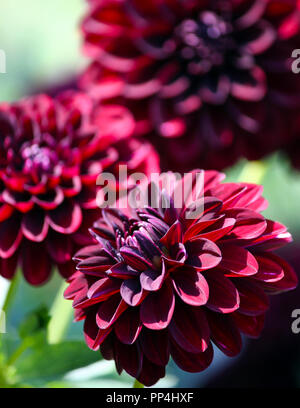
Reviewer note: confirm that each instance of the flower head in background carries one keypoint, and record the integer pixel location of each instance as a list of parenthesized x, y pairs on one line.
[(160, 284), (214, 76), (51, 153)]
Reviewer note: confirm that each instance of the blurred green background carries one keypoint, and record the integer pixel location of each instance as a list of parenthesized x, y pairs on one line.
[(42, 45), (41, 40)]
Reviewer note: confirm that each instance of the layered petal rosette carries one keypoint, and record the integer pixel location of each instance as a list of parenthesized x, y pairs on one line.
[(51, 153), (163, 283), (214, 77)]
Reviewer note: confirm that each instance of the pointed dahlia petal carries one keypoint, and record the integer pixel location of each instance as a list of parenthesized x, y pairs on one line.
[(10, 236), (152, 280), (253, 14), (155, 345), (195, 229), (20, 201), (252, 326), (189, 188), (238, 261), (79, 314), (96, 265), (173, 236), (34, 225), (60, 247), (71, 186), (270, 268), (6, 211), (253, 300), (249, 224), (92, 334), (81, 300), (91, 331), (171, 214), (274, 237), (189, 328), (151, 373), (103, 289), (223, 295), (212, 178), (107, 348), (75, 286), (88, 252), (128, 326), (214, 90), (66, 218), (66, 269), (134, 258), (252, 87), (129, 357), (224, 333), (288, 282), (202, 254), (103, 231), (200, 208), (52, 199), (251, 198), (8, 266), (146, 244), (132, 292), (110, 311), (157, 309), (36, 263), (228, 193), (191, 286), (219, 230), (122, 271), (191, 362), (265, 37)]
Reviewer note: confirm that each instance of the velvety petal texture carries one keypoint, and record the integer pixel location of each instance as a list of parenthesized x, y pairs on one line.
[(52, 151), (208, 81), (161, 283)]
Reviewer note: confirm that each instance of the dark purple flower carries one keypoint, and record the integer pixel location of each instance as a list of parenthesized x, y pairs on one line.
[(158, 283), (214, 77), (208, 80), (51, 153)]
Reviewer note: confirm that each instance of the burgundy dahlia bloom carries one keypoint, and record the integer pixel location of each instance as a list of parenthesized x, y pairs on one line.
[(214, 76), (159, 284), (51, 152)]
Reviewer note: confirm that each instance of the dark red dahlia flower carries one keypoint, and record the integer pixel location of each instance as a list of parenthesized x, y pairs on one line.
[(51, 152), (214, 76), (158, 283)]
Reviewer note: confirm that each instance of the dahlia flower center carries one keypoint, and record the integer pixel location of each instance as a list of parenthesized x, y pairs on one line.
[(39, 159), (204, 41)]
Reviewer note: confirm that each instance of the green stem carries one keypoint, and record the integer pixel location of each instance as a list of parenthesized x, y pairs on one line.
[(137, 384), (11, 292), (253, 172), (61, 313), (18, 352)]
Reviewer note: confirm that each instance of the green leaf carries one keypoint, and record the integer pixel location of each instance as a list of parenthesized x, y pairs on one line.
[(36, 322), (50, 361)]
